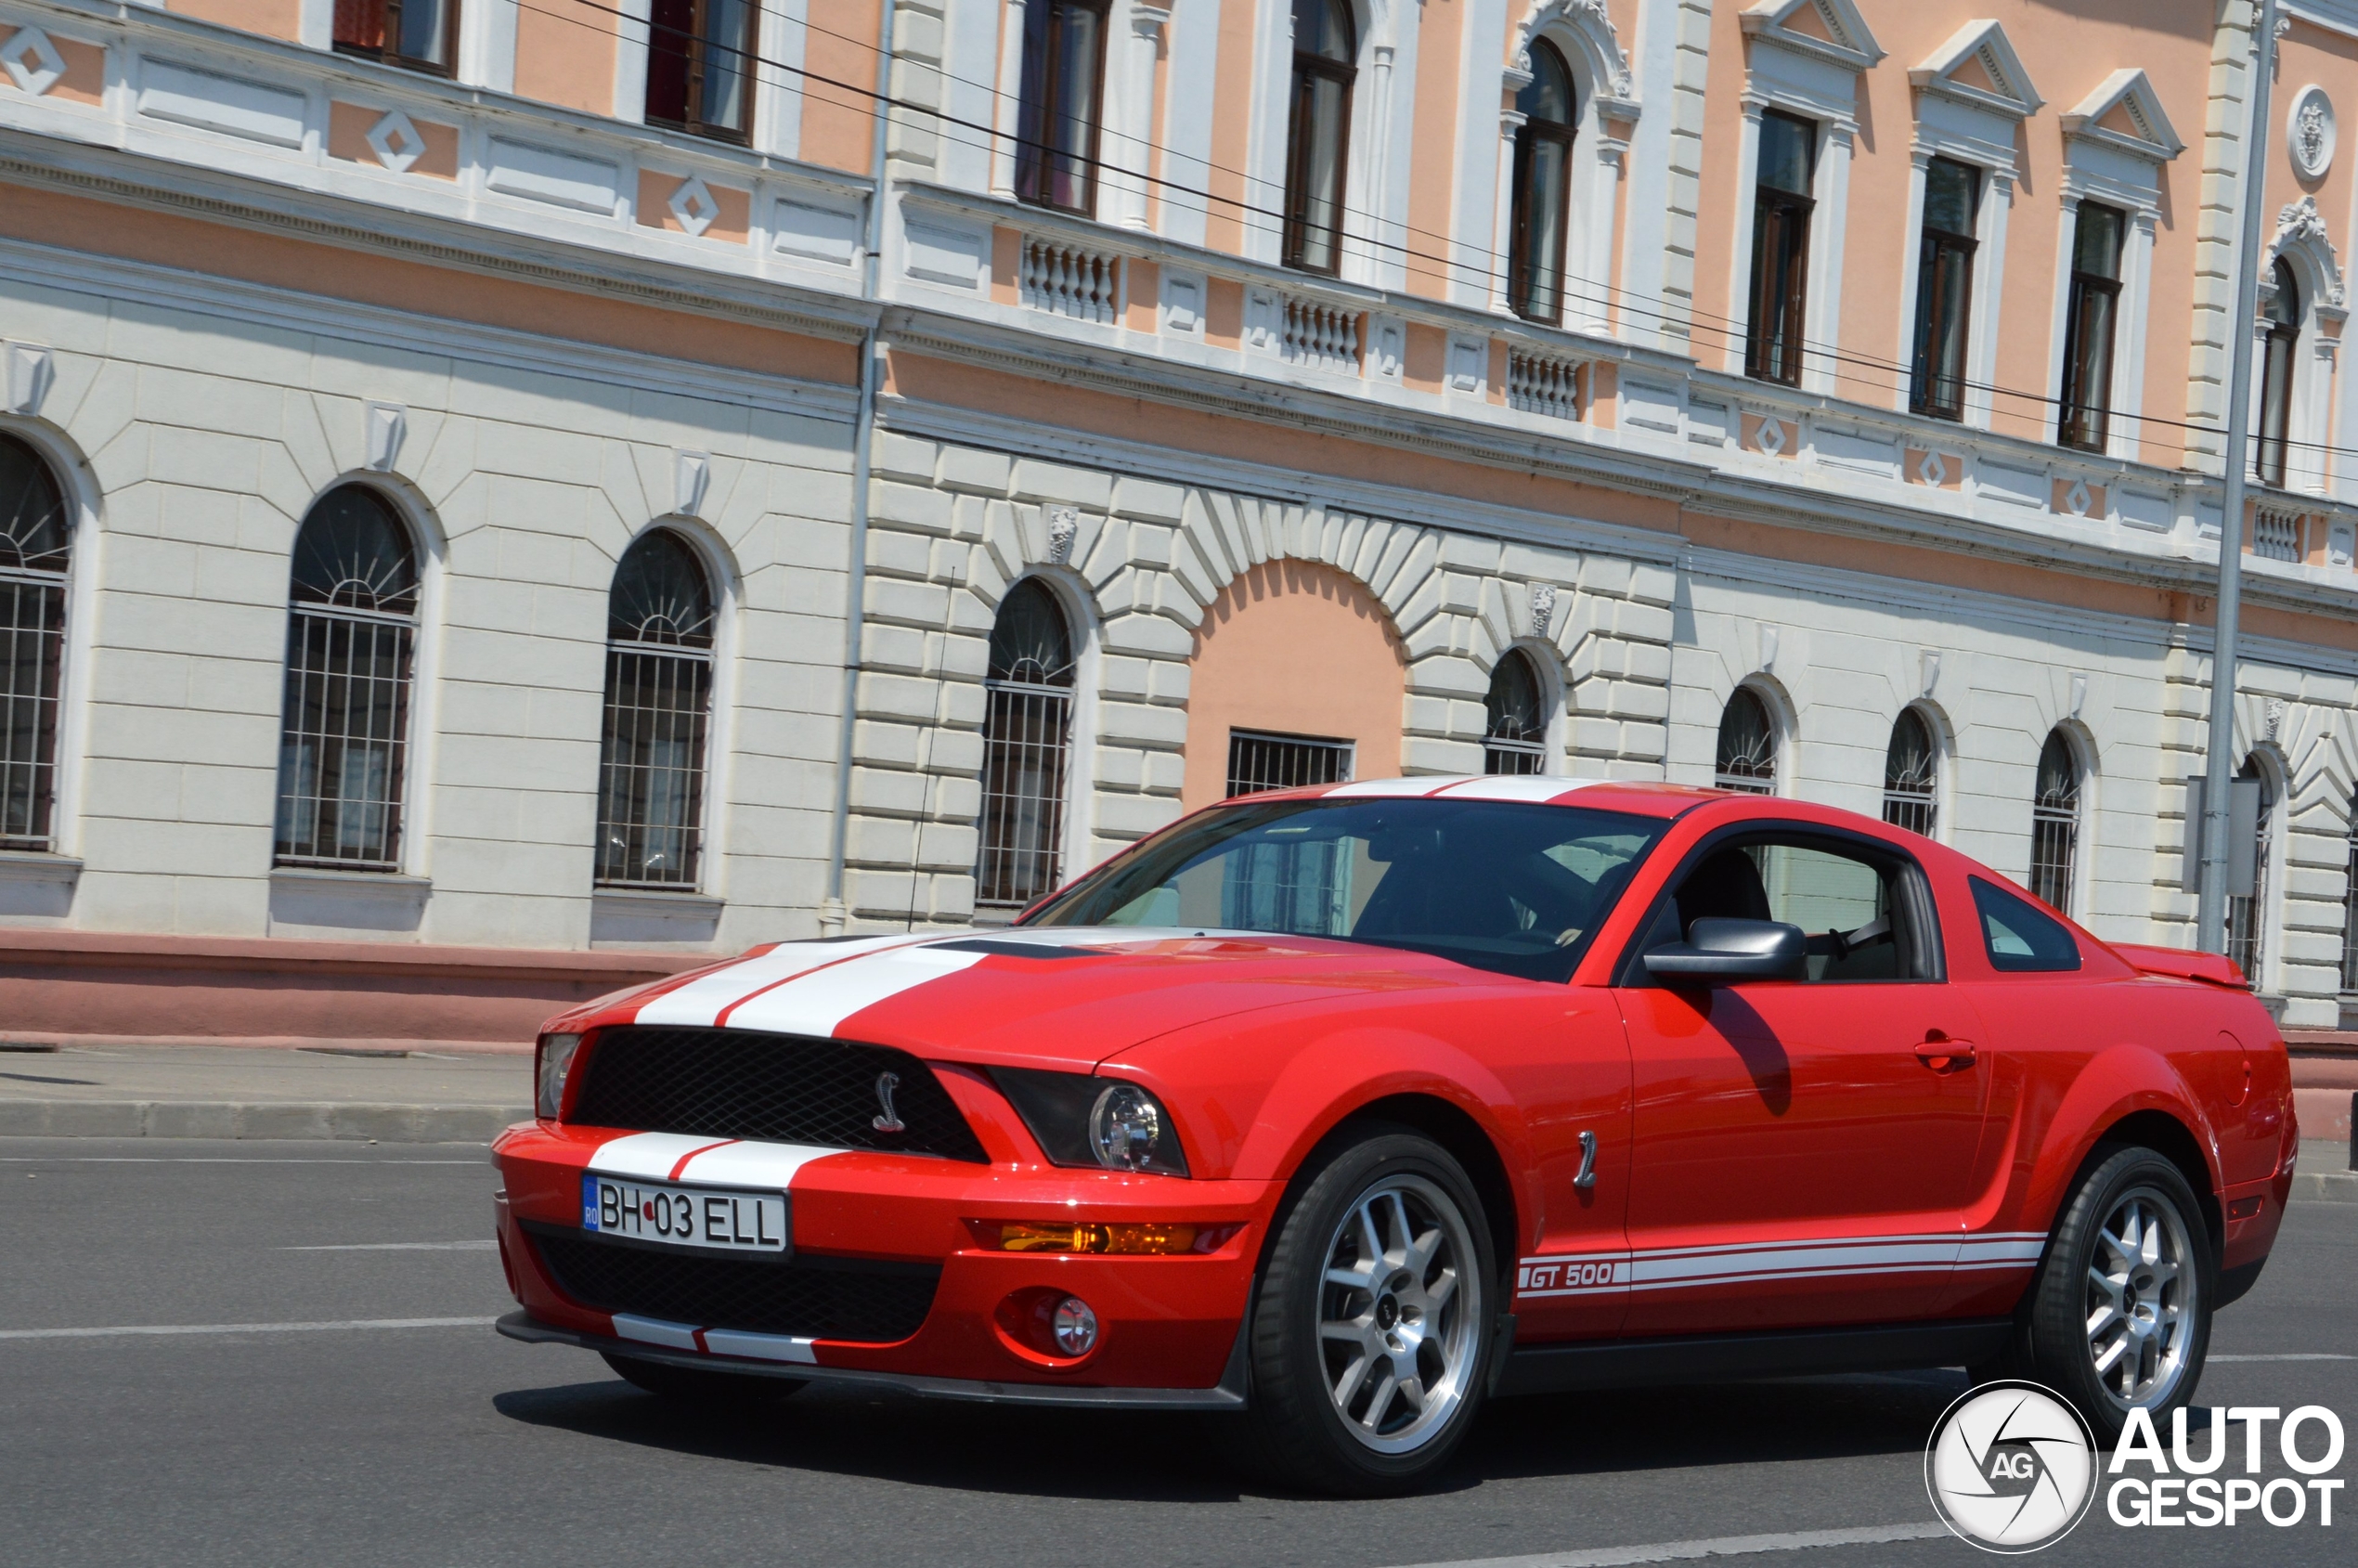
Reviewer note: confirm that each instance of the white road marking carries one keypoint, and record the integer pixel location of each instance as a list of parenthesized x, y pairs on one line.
[(247, 1327), (400, 1247), (1721, 1545), (2292, 1356)]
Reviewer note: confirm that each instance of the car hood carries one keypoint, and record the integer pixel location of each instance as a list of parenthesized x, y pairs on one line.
[(1063, 997)]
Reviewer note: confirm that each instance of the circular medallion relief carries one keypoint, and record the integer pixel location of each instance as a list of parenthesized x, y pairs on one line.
[(2309, 132)]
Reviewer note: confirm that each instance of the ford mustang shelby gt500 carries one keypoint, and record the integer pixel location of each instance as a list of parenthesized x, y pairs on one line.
[(1346, 1107)]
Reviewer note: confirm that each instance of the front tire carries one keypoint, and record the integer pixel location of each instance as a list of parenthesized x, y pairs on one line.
[(712, 1389), (1370, 1330), (2119, 1316)]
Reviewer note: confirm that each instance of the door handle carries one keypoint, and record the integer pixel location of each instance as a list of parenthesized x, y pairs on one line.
[(1944, 1054)]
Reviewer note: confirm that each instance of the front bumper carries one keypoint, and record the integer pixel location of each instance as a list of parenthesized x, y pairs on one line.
[(1169, 1326)]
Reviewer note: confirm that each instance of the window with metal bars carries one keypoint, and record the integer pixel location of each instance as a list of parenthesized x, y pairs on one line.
[(1911, 768), (2248, 917), (1747, 759), (1516, 738), (1258, 762), (418, 34), (658, 716), (2054, 821), (700, 55), (1027, 739), (352, 627), (34, 545)]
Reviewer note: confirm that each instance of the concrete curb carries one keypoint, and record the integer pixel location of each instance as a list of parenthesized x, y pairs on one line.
[(224, 1119), (2324, 1187)]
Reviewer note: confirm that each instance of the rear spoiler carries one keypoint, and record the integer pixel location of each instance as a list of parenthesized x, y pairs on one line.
[(2182, 964)]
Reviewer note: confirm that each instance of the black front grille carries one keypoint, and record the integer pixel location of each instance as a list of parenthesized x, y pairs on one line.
[(811, 1298), (776, 1088)]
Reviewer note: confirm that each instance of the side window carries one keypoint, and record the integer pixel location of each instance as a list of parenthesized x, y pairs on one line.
[(2020, 939), (1862, 911)]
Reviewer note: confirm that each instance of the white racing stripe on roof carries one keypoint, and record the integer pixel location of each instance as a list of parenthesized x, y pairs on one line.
[(816, 1003), (1376, 788), (699, 1003), (1536, 788)]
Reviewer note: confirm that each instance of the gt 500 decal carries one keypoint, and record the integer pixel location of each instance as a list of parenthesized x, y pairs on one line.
[(1569, 1276), (1672, 1268)]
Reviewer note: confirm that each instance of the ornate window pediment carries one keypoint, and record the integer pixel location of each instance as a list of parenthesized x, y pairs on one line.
[(1978, 68), (2125, 113), (1587, 28), (1832, 31)]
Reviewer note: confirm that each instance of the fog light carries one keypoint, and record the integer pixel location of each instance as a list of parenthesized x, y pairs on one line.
[(1074, 1325)]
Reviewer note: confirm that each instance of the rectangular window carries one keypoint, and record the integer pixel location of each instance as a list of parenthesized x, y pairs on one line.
[(1781, 205), (700, 55), (420, 35), (342, 756), (1257, 762), (651, 770), (1064, 67), (32, 621), (1026, 735), (2090, 326), (1944, 289)]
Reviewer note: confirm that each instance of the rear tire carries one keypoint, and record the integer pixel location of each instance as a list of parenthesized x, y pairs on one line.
[(2119, 1316), (1370, 1331), (700, 1386)]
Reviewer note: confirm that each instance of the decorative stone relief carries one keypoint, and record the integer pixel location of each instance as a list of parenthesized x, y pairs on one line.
[(2300, 225), (691, 478), (30, 373), (692, 206), (395, 142), (2309, 133), (1931, 665), (385, 425), (1064, 522), (2275, 711), (32, 61), (1543, 608)]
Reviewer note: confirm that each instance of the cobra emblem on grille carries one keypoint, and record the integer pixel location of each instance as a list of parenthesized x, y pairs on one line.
[(889, 1122)]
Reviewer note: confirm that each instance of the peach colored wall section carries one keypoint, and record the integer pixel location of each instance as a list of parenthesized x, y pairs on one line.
[(1142, 288), (1421, 363), (167, 239), (838, 128), (733, 222), (1350, 673), (566, 55), (348, 128), (1007, 263), (1432, 164), (273, 18), (1224, 312), (1231, 125)]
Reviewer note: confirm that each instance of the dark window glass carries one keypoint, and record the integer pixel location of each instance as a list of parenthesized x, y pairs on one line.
[(1511, 887), (1027, 737), (2248, 916), (1851, 903), (2020, 939), (2089, 326), (1909, 770), (1944, 288), (1542, 187), (1747, 759), (1257, 763), (422, 34), (658, 712), (351, 635), (1515, 741), (1326, 51), (2054, 821), (1064, 68), (1781, 205), (34, 542), (2276, 377), (699, 58)]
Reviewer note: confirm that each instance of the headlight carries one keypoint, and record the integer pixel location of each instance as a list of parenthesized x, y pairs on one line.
[(1107, 1123), (556, 1060)]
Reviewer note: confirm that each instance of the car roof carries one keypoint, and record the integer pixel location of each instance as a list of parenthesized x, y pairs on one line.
[(1638, 797)]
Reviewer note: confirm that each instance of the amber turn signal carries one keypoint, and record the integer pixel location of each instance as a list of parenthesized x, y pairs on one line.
[(1026, 1236)]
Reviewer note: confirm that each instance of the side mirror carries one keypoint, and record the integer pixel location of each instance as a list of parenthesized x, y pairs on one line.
[(1727, 952)]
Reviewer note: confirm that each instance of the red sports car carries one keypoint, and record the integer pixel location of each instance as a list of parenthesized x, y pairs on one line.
[(1345, 1108)]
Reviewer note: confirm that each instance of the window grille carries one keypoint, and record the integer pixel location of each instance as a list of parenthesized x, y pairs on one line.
[(33, 553), (2054, 822), (2349, 908), (2247, 917), (1258, 762), (1516, 738), (1910, 768), (659, 713), (2275, 535), (1027, 741), (1747, 759), (343, 740), (1541, 384), (1068, 280)]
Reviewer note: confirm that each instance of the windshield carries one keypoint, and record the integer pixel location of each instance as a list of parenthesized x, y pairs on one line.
[(1519, 889)]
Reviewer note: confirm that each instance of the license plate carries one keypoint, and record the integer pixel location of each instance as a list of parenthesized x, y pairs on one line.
[(735, 1222)]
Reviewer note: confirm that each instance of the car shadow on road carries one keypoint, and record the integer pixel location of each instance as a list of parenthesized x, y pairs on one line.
[(1124, 1455)]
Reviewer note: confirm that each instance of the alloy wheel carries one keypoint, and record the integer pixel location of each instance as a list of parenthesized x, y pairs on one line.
[(1400, 1309), (2141, 1300)]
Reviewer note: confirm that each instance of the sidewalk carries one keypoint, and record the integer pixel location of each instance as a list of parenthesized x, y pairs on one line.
[(230, 1092)]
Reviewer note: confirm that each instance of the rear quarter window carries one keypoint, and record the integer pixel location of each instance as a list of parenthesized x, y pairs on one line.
[(2019, 939)]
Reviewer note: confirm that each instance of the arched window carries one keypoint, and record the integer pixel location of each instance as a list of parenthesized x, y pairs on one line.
[(352, 627), (1027, 734), (1516, 738), (650, 752), (34, 541), (1747, 746), (1326, 53), (1911, 767), (1063, 68), (2054, 821), (1543, 188), (2248, 917), (2282, 312)]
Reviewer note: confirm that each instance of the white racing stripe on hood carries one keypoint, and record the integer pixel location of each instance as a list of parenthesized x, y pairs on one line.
[(814, 1004), (769, 1166), (699, 1003), (647, 1157)]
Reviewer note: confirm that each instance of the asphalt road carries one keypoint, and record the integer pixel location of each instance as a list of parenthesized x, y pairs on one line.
[(447, 1445)]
